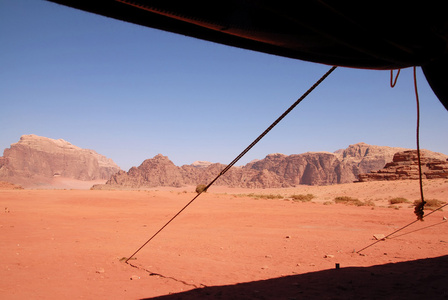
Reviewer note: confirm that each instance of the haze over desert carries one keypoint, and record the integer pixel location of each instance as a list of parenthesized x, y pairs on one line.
[(229, 244)]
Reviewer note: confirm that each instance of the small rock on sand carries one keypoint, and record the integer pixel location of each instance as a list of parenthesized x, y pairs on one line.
[(379, 236)]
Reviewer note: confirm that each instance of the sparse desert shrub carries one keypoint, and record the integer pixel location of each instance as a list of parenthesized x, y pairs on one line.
[(268, 196), (302, 197), (349, 201), (262, 196), (431, 204), (201, 188), (398, 200), (369, 203)]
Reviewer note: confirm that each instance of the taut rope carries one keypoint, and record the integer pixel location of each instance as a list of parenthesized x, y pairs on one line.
[(239, 156)]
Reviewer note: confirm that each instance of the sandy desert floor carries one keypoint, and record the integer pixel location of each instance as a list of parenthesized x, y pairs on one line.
[(67, 244)]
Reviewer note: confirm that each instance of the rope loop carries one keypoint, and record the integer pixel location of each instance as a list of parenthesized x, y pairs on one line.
[(393, 81), (419, 209)]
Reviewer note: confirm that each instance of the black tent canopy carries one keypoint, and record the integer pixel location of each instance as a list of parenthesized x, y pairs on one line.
[(381, 35)]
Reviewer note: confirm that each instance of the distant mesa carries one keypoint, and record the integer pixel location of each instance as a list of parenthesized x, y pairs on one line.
[(38, 161), (274, 171), (404, 165)]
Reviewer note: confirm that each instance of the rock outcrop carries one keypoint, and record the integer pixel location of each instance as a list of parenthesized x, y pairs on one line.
[(362, 158), (158, 171), (274, 171), (40, 158), (405, 166), (323, 168)]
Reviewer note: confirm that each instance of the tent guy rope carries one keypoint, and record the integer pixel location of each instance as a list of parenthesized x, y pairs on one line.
[(239, 156), (400, 229), (419, 208)]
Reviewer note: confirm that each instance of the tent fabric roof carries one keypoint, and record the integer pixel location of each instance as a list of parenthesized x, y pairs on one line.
[(378, 35)]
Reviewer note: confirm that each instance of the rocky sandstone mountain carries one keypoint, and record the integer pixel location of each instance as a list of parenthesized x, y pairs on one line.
[(405, 166), (274, 171), (36, 158)]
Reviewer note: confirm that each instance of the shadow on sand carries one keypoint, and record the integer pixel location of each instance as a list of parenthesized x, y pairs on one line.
[(419, 279)]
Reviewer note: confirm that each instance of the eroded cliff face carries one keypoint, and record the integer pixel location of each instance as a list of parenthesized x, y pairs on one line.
[(312, 168), (404, 165), (40, 157), (323, 168), (158, 171), (363, 158), (274, 171)]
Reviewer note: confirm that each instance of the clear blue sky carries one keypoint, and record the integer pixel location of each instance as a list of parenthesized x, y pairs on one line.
[(130, 92)]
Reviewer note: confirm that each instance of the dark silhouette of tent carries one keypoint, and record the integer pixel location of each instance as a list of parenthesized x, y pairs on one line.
[(381, 35)]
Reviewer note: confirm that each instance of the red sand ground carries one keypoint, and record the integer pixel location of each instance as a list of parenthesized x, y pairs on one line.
[(67, 244)]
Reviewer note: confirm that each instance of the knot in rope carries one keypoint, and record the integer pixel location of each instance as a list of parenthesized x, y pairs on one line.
[(419, 210)]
